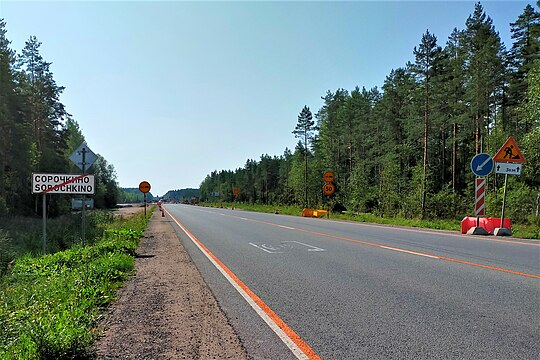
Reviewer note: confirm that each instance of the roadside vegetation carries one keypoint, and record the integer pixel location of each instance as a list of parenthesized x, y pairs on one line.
[(50, 304), (403, 150)]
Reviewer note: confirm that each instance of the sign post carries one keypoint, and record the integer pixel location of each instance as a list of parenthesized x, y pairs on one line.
[(44, 242), (60, 184), (83, 157), (328, 188), (144, 187), (509, 159), (480, 191), (481, 166)]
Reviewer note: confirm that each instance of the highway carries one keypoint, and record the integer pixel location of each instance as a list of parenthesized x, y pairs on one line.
[(299, 288)]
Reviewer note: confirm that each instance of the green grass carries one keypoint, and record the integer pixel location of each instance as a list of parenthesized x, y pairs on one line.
[(21, 235), (527, 231), (50, 304)]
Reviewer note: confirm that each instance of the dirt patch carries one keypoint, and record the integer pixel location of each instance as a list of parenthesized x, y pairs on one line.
[(166, 311), (127, 211)]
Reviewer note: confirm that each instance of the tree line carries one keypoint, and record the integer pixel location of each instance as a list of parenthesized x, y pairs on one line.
[(405, 149), (37, 134)]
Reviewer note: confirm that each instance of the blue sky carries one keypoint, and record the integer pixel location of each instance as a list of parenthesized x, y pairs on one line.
[(169, 91)]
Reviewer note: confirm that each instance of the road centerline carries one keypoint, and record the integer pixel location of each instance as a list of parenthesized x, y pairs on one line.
[(406, 251)]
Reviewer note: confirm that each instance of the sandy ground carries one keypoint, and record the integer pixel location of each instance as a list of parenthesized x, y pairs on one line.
[(128, 210), (166, 311)]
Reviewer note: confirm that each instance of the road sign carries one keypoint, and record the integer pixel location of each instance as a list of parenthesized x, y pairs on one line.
[(328, 177), (480, 192), (83, 157), (482, 164), (508, 168), (236, 191), (144, 187), (509, 153), (63, 184), (329, 189), (76, 204)]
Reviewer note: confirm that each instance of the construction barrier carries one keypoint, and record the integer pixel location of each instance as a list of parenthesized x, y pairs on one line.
[(489, 224), (313, 213)]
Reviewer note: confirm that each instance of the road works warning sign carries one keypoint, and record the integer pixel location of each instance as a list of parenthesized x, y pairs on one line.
[(63, 184), (509, 153)]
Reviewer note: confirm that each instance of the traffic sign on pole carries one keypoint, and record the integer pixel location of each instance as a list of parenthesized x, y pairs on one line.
[(509, 152), (144, 187), (83, 157), (482, 165), (329, 189), (63, 184), (328, 177), (508, 168)]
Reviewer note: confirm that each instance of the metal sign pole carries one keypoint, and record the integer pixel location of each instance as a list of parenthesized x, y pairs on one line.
[(44, 222), (84, 200), (504, 200), (145, 205)]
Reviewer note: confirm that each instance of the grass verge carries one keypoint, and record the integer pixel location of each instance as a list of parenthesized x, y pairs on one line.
[(50, 304), (531, 231)]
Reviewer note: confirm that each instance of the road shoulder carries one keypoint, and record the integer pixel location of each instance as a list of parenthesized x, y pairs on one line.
[(166, 311)]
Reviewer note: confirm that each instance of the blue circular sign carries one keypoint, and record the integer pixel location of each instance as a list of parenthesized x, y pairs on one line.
[(482, 164)]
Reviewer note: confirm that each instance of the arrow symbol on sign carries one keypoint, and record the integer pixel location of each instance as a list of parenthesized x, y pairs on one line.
[(481, 166)]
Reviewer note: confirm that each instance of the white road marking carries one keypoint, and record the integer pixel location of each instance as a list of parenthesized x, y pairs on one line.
[(286, 227), (262, 247), (409, 252), (312, 248)]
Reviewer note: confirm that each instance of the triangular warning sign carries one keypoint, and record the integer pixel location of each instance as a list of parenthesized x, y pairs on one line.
[(509, 152)]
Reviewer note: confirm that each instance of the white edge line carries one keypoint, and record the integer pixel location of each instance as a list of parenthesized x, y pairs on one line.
[(280, 333), (409, 252)]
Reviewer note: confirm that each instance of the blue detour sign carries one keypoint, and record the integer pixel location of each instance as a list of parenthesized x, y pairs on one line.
[(482, 164)]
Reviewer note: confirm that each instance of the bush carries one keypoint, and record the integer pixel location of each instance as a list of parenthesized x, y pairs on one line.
[(520, 202)]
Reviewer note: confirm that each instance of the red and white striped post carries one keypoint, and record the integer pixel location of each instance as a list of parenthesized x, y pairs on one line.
[(480, 191)]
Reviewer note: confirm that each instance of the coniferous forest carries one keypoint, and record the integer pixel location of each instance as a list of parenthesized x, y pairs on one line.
[(37, 134), (405, 149)]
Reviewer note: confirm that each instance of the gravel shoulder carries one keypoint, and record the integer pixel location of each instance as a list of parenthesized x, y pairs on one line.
[(166, 310)]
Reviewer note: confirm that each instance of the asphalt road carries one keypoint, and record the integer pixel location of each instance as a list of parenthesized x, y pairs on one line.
[(361, 291)]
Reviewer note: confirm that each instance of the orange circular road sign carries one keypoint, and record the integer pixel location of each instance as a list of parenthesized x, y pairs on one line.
[(328, 177), (328, 189), (144, 186)]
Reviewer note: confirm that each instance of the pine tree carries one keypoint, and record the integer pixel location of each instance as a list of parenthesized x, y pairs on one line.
[(15, 162), (484, 69), (524, 52), (427, 55), (44, 110), (454, 91), (304, 130)]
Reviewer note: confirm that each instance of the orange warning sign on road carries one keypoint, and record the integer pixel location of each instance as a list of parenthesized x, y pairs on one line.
[(509, 152), (144, 187)]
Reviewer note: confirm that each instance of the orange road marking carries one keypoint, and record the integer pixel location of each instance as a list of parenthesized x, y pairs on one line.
[(299, 344), (401, 250)]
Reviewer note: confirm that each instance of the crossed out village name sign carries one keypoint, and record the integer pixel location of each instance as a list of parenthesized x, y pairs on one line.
[(83, 184)]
